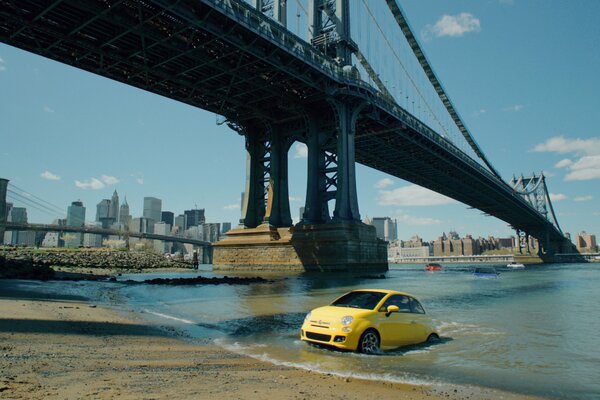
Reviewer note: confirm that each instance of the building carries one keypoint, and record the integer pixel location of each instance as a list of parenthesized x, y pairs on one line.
[(75, 218), (225, 227), (18, 215), (124, 215), (8, 234), (139, 225), (113, 211), (90, 239), (180, 224), (152, 208), (586, 242), (162, 228), (399, 250), (194, 217), (167, 217), (103, 210), (385, 228), (211, 232)]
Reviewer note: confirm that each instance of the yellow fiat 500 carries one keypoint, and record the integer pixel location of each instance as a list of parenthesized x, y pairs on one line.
[(368, 320)]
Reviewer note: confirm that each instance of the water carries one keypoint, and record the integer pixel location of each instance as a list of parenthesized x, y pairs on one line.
[(532, 331)]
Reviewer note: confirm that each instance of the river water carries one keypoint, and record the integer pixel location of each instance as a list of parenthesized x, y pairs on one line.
[(532, 331)]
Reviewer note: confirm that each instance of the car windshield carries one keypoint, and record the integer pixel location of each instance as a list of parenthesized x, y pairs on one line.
[(365, 300)]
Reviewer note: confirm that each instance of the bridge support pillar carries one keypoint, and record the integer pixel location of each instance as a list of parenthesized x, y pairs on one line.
[(3, 187), (318, 242)]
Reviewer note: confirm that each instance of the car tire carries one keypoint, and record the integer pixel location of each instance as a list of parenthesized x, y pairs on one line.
[(369, 342), (433, 338)]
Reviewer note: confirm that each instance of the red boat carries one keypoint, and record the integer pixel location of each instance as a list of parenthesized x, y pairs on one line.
[(433, 267)]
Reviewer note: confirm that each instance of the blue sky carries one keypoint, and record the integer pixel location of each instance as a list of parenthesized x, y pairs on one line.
[(522, 74)]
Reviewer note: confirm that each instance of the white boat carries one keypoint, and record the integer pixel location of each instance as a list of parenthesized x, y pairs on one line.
[(515, 265)]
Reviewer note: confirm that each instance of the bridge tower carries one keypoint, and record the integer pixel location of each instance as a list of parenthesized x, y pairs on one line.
[(266, 237), (3, 187)]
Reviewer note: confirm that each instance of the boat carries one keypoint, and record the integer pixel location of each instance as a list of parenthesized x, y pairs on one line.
[(433, 267), (515, 265), (485, 272)]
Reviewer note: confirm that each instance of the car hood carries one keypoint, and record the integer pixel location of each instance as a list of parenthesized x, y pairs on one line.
[(333, 314)]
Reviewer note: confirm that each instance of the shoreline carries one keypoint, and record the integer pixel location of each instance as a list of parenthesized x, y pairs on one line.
[(63, 346)]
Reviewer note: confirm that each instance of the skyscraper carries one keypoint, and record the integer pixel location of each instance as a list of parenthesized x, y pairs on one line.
[(385, 228), (195, 217), (167, 217), (124, 216), (113, 211), (103, 210), (75, 218), (152, 208)]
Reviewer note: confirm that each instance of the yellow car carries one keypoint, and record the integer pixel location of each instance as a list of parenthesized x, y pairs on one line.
[(369, 320)]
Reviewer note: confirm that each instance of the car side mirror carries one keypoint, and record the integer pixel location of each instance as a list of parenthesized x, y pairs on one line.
[(391, 309)]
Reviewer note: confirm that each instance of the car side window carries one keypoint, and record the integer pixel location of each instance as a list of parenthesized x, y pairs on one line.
[(416, 307), (403, 303)]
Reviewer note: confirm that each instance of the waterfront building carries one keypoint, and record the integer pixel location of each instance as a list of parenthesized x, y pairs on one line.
[(586, 242), (18, 215), (124, 215), (399, 250), (167, 217), (91, 239), (385, 228), (8, 235), (152, 208), (194, 217), (75, 218)]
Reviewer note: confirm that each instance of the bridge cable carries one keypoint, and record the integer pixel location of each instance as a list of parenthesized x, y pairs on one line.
[(414, 84), (60, 209), (418, 52)]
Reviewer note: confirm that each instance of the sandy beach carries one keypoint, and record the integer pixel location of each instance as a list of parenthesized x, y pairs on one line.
[(54, 346)]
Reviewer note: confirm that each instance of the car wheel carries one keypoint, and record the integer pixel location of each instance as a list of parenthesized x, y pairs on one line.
[(369, 342), (433, 338)]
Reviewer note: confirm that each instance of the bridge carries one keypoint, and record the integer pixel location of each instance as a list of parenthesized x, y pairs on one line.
[(240, 60)]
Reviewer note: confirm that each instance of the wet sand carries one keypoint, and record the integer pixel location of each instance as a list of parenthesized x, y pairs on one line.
[(54, 346)]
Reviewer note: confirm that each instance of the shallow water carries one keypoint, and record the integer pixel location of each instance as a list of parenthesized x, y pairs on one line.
[(532, 331)]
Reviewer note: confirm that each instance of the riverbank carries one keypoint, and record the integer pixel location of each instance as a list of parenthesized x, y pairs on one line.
[(61, 346)]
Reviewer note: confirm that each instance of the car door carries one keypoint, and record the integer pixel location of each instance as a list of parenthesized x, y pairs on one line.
[(419, 321), (396, 328)]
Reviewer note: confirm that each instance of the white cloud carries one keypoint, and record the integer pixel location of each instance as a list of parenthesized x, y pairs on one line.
[(2, 65), (47, 109), (596, 213), (383, 183), (109, 180), (548, 173), (557, 197), (92, 183), (232, 207), (453, 25), (584, 198), (587, 167), (565, 162), (515, 108), (412, 220), (584, 169), (295, 199), (479, 112), (140, 180), (412, 195), (301, 151), (561, 145), (50, 176)]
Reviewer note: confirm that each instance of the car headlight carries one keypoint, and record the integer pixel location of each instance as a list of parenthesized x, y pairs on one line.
[(307, 317), (347, 320)]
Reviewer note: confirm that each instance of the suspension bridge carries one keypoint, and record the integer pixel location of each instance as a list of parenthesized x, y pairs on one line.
[(326, 83)]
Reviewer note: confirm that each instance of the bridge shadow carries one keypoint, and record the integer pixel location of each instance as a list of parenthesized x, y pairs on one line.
[(19, 325)]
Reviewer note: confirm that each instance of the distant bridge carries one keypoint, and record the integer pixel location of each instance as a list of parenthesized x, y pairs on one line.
[(10, 226)]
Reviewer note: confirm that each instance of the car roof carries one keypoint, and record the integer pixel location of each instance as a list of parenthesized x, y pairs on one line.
[(386, 291)]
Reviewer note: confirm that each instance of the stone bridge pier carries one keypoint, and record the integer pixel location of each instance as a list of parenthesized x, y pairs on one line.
[(266, 238)]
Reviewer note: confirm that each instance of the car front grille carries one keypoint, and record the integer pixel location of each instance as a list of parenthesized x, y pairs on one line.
[(318, 336)]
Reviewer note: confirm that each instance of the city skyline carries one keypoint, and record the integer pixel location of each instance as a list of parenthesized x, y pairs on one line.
[(152, 145)]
